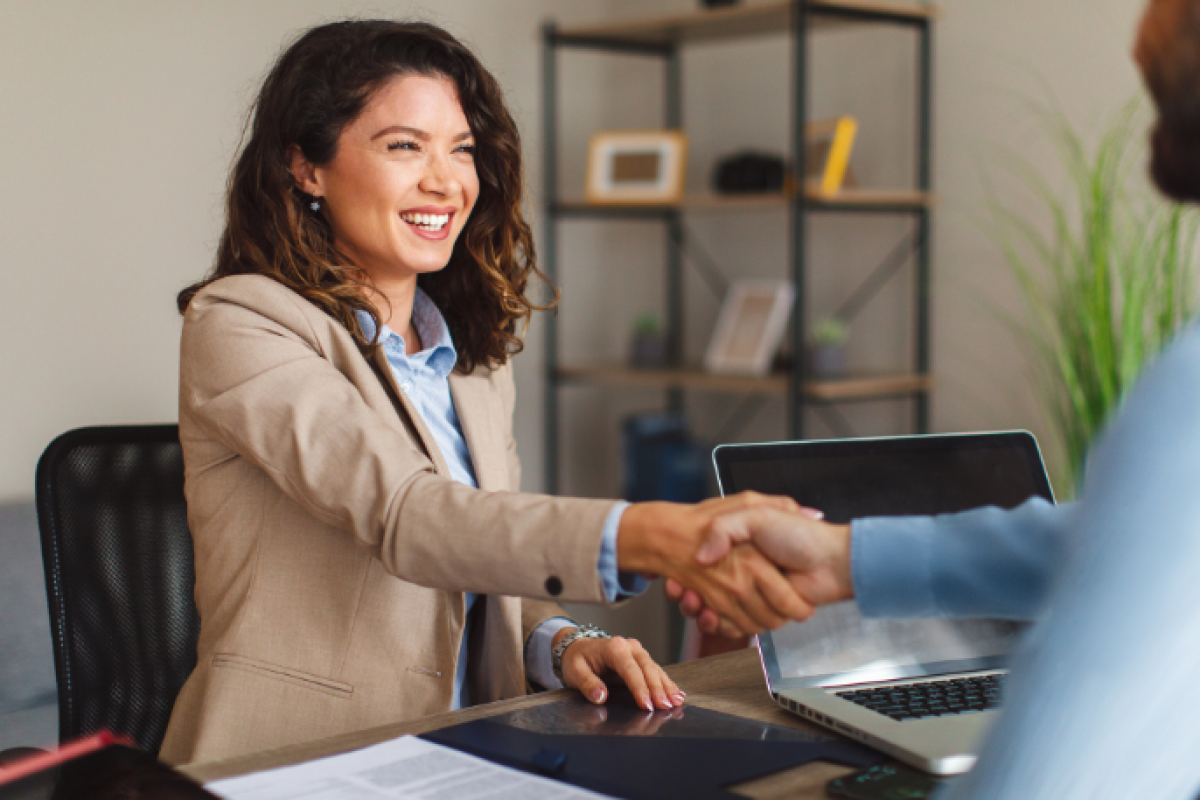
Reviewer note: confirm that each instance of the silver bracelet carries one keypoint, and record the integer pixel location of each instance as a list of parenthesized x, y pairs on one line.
[(585, 631)]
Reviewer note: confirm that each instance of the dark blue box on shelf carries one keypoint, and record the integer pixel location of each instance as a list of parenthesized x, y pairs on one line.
[(662, 461)]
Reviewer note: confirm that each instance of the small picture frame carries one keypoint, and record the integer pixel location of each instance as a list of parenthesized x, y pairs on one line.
[(829, 144), (749, 327), (636, 167)]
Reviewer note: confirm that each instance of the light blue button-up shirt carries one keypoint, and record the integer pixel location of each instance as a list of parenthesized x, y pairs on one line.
[(1102, 701), (423, 377)]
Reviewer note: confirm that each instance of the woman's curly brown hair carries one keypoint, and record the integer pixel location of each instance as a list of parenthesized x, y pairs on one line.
[(318, 86)]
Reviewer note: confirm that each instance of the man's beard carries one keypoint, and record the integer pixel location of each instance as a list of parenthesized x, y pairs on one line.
[(1175, 160)]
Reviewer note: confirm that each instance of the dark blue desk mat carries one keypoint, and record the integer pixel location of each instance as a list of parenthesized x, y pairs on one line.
[(621, 750)]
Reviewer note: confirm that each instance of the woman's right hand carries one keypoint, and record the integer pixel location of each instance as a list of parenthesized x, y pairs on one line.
[(744, 588), (815, 556)]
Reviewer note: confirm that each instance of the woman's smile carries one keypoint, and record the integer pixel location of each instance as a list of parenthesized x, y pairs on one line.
[(429, 222)]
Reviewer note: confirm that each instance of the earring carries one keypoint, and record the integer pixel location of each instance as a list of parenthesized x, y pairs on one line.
[(315, 205)]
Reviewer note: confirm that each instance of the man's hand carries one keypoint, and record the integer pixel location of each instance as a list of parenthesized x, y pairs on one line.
[(815, 556), (740, 585)]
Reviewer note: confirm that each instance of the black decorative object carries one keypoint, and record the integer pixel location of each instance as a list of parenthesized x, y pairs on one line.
[(749, 172)]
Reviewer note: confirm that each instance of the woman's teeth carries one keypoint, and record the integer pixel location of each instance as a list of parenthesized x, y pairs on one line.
[(427, 222)]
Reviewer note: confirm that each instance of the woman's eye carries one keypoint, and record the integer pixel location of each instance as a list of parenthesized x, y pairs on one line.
[(469, 149), (402, 145)]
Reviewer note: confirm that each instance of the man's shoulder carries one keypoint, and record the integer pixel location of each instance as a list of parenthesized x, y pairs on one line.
[(1176, 371)]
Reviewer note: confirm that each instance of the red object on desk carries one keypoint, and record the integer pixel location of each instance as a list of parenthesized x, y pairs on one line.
[(70, 750)]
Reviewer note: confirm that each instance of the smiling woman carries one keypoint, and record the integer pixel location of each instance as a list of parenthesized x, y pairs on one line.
[(363, 553), (393, 115), (398, 195)]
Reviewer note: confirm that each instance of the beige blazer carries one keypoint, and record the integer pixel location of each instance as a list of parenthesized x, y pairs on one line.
[(332, 546)]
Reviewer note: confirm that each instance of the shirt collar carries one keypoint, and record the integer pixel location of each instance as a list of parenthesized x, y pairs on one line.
[(439, 353)]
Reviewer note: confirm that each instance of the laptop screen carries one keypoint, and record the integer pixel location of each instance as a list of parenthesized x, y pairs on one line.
[(913, 475)]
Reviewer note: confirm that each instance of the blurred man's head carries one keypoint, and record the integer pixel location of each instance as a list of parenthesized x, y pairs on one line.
[(1168, 53)]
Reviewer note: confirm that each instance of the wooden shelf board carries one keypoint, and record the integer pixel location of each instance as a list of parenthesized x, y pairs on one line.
[(867, 386), (850, 388), (847, 198), (742, 20)]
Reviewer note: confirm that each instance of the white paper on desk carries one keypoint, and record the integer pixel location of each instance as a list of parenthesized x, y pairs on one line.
[(404, 767)]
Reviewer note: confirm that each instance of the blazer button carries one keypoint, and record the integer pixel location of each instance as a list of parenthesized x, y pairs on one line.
[(553, 586)]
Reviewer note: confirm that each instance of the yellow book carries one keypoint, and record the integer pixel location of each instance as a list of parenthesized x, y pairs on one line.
[(830, 143), (839, 155)]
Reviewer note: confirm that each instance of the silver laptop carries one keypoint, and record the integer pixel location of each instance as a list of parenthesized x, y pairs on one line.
[(923, 691)]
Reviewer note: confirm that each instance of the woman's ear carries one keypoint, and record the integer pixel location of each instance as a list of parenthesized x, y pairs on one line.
[(304, 172)]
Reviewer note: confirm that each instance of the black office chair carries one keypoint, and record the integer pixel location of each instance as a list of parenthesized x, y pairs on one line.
[(120, 578)]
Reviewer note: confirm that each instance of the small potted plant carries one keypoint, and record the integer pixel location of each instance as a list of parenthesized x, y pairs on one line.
[(648, 350), (827, 350)]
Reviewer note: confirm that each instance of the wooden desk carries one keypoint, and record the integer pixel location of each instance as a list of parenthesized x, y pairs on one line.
[(732, 683)]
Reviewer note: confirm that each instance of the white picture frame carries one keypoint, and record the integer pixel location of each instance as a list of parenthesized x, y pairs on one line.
[(636, 167), (749, 327)]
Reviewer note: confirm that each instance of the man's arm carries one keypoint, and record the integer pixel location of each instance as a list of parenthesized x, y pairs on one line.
[(987, 562)]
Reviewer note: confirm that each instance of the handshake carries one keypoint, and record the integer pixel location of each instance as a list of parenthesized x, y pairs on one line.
[(740, 564)]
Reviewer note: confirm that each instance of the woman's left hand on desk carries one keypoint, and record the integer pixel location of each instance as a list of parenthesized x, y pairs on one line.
[(586, 660)]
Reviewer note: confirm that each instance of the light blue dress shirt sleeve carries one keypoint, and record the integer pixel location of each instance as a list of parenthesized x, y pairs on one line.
[(538, 664), (617, 585), (987, 562)]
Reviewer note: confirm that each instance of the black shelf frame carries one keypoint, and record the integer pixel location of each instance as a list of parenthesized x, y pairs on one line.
[(802, 13)]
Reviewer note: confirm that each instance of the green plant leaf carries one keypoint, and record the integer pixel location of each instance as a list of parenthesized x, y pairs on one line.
[(1106, 268)]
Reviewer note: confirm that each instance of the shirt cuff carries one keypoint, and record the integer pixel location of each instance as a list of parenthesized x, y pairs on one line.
[(538, 666), (617, 585)]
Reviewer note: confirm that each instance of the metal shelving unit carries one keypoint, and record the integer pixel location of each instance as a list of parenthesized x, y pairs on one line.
[(662, 38)]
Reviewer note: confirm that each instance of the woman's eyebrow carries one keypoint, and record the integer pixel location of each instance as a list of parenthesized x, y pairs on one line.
[(417, 132)]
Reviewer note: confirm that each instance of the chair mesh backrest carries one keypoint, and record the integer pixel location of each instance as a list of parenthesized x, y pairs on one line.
[(119, 577)]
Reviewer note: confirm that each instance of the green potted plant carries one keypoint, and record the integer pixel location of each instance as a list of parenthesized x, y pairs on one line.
[(1106, 284), (827, 348), (648, 348)]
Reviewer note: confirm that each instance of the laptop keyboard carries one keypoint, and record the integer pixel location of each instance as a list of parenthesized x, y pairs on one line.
[(930, 698)]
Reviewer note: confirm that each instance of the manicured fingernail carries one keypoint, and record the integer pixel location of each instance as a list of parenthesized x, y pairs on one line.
[(679, 699), (662, 701), (597, 695), (644, 702)]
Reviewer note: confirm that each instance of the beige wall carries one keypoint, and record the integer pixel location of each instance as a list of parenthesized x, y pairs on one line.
[(119, 120)]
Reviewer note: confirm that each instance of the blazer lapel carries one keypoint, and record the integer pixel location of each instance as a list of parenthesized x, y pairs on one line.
[(477, 409), (385, 370)]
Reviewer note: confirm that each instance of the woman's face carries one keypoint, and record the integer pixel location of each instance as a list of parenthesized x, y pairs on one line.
[(403, 182)]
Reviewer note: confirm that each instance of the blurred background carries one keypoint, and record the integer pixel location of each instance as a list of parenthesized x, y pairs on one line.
[(118, 123)]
